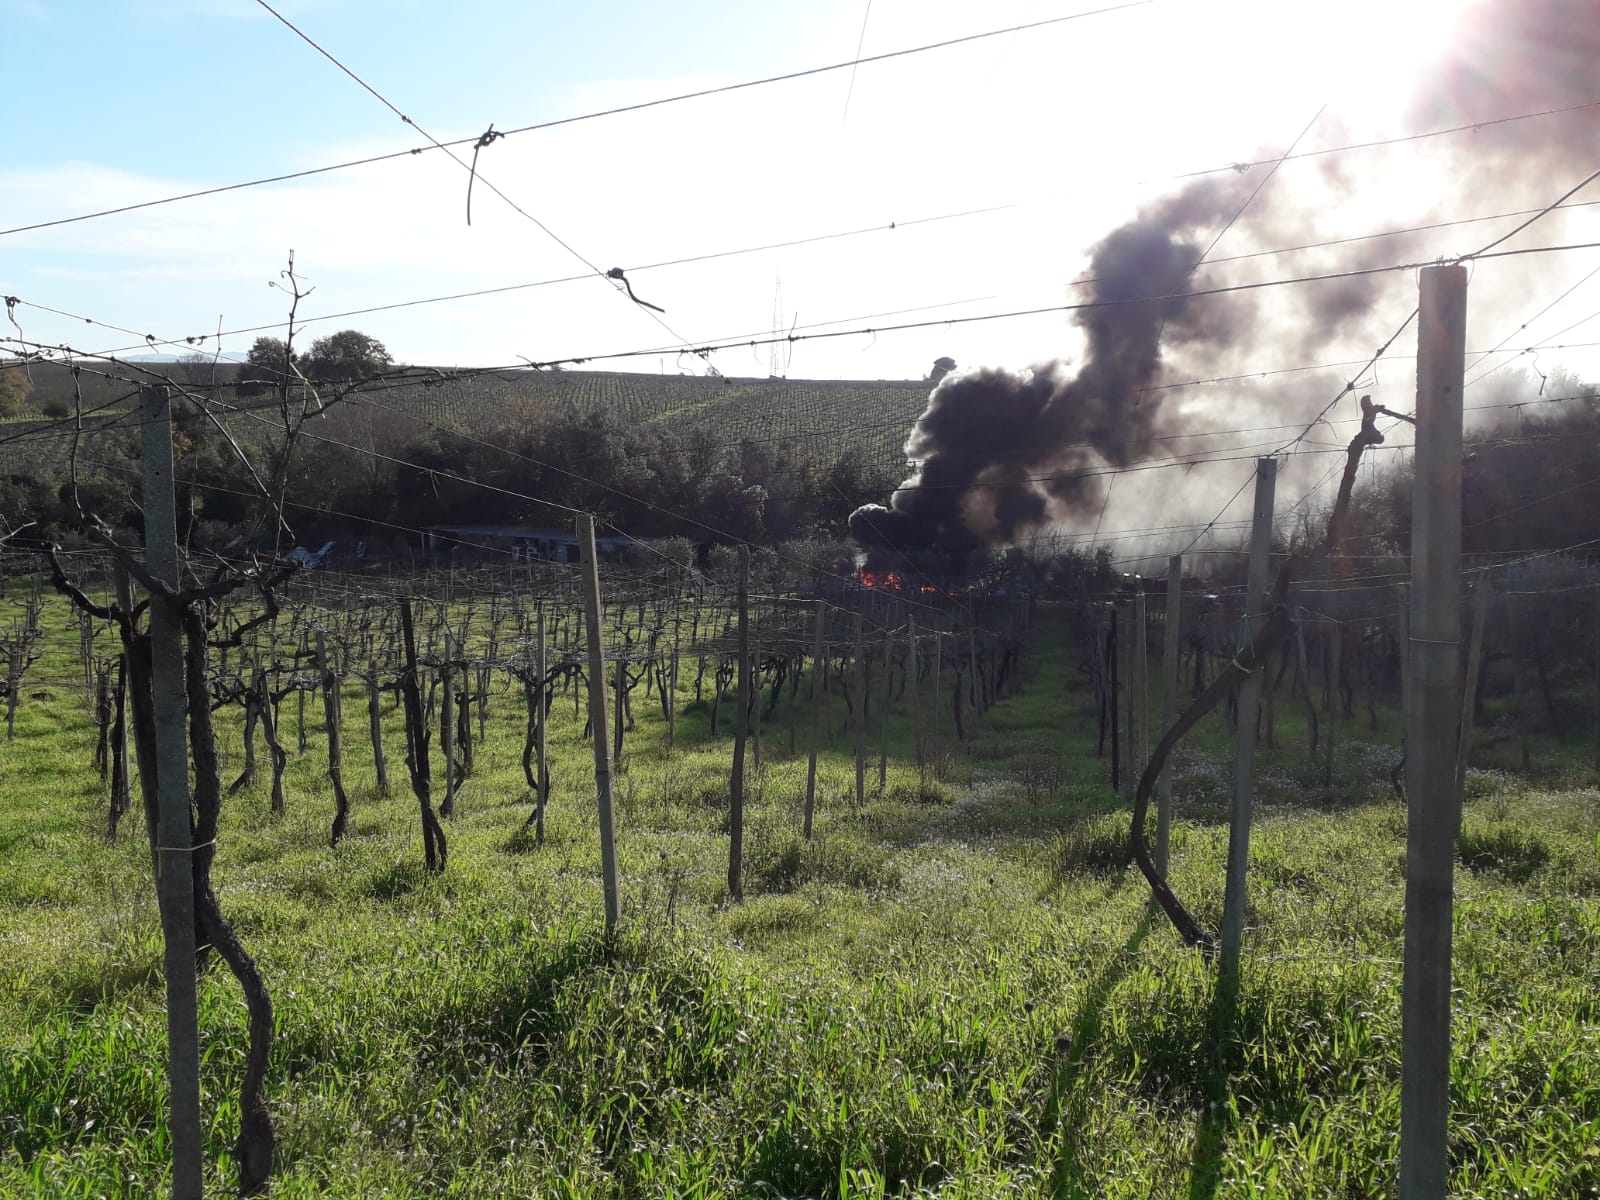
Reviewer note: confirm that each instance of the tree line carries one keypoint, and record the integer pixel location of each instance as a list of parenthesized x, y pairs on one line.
[(378, 471)]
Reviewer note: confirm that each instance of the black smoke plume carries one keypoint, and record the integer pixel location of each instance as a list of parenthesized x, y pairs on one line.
[(1001, 453)]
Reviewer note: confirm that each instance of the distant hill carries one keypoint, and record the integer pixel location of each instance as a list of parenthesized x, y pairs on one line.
[(826, 416), (822, 417)]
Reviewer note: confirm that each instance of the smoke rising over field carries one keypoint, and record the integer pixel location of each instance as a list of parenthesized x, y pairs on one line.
[(1003, 452), (1000, 455)]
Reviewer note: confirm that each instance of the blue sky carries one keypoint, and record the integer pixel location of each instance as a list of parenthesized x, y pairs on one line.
[(174, 85)]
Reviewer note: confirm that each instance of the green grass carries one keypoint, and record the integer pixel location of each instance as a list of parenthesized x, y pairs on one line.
[(955, 990)]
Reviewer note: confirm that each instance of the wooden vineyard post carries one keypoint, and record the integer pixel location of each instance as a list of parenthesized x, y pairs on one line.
[(579, 693), (465, 703), (435, 847), (1130, 732), (121, 778), (13, 686), (276, 754), (1304, 666), (100, 698), (593, 623), (1141, 653), (755, 709), (1519, 690), (1169, 703), (90, 690), (137, 678), (955, 692), (174, 837), (1269, 694), (858, 686), (975, 693), (375, 726), (541, 764), (1099, 677), (300, 703), (672, 681), (818, 665), (1432, 798), (486, 668), (740, 722), (1113, 702), (1335, 703), (329, 681), (1244, 751), (448, 729), (1469, 689), (883, 743), (619, 711), (913, 689), (794, 697)]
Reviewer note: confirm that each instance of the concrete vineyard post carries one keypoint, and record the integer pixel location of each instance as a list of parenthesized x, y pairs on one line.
[(1141, 652), (883, 717), (1433, 800), (1233, 902), (817, 668), (859, 688), (593, 624), (1113, 702), (1169, 703), (741, 720), (174, 838), (913, 687)]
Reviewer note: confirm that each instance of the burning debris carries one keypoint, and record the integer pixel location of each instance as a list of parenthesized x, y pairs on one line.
[(881, 579)]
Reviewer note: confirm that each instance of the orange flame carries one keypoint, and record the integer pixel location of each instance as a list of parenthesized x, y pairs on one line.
[(887, 579)]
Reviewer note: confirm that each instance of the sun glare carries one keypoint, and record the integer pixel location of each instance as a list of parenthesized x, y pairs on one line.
[(1366, 58)]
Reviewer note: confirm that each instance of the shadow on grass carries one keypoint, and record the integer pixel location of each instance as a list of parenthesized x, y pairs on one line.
[(1068, 1106), (395, 881), (1216, 1118), (1514, 854)]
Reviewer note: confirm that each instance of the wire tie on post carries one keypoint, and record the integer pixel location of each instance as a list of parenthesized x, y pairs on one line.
[(160, 850)]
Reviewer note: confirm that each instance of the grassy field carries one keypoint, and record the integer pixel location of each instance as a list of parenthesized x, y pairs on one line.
[(953, 991)]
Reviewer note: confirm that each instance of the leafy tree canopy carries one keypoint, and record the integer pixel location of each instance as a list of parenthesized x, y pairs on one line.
[(15, 388), (348, 354), (267, 363)]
